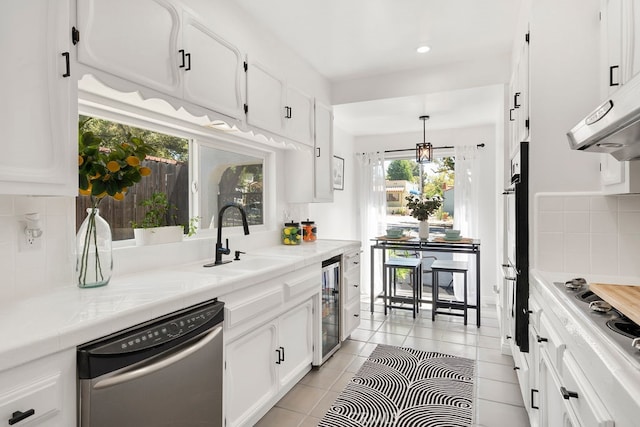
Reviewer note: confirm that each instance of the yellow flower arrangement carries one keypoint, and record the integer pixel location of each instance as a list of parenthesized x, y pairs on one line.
[(109, 171)]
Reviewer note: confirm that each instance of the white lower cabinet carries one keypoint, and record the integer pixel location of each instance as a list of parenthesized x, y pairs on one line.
[(265, 362), (40, 393), (350, 293)]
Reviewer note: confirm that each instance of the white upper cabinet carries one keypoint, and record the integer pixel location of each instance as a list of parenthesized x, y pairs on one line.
[(214, 77), (137, 41), (323, 161), (265, 98), (36, 107), (160, 46), (611, 68), (276, 107)]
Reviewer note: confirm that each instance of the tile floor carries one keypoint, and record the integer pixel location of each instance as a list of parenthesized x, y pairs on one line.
[(497, 395)]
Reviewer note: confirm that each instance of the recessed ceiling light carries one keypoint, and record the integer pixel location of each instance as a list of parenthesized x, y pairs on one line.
[(423, 49)]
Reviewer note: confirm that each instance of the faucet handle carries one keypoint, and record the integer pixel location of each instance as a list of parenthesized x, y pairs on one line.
[(225, 250)]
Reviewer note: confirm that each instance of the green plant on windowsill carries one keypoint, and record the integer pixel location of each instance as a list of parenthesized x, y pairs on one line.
[(159, 212)]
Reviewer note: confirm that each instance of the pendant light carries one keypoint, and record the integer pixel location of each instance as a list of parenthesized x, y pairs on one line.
[(424, 150)]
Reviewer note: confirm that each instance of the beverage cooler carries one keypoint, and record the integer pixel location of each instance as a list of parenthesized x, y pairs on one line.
[(330, 306)]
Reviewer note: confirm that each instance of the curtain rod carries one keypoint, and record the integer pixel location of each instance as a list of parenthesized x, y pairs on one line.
[(435, 148)]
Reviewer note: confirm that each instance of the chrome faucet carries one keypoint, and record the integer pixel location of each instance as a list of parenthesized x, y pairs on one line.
[(221, 250)]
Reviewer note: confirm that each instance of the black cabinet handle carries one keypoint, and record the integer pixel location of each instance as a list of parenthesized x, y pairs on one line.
[(355, 286), (356, 315), (515, 100), (181, 51), (18, 416), (532, 405), (279, 356), (566, 394), (282, 348), (541, 339), (508, 337), (611, 83), (66, 60), (188, 55), (318, 155), (511, 119), (287, 112), (515, 368)]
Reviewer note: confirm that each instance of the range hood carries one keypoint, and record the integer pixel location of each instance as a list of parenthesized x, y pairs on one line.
[(613, 127)]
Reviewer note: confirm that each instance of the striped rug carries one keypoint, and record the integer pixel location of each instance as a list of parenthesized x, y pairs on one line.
[(405, 387)]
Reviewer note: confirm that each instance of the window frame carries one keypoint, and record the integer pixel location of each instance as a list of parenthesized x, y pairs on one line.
[(107, 109)]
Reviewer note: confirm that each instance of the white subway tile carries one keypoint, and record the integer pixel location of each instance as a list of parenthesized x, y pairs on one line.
[(628, 222), (577, 264), (60, 205), (8, 229), (604, 253), (550, 261), (629, 202), (578, 243), (604, 222), (29, 204), (550, 222), (576, 204), (551, 242), (576, 222), (550, 204), (604, 203), (628, 244)]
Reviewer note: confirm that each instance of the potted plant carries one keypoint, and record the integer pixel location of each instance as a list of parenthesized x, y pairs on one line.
[(103, 172), (155, 227), (422, 209)]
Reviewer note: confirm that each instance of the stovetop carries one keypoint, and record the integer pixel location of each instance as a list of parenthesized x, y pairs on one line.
[(609, 320)]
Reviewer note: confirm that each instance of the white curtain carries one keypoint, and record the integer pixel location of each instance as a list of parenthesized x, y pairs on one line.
[(373, 206), (466, 190)]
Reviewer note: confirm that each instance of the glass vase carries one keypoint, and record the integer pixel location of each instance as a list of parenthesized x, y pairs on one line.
[(94, 262), (423, 230)]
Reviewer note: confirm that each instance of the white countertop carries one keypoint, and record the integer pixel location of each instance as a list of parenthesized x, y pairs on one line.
[(66, 317)]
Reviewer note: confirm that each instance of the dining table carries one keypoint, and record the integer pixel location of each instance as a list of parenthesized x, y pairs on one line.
[(435, 243)]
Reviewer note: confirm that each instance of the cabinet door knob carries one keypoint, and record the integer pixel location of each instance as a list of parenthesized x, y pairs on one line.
[(18, 416), (566, 394)]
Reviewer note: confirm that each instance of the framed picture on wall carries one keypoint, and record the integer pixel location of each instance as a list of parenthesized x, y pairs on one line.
[(338, 173)]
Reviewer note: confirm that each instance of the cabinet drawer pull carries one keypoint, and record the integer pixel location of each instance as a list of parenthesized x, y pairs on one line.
[(18, 416), (532, 405), (279, 356), (566, 394), (282, 348), (188, 56), (67, 65), (541, 339), (318, 155), (355, 286), (356, 315), (515, 100), (511, 119), (611, 68), (181, 52)]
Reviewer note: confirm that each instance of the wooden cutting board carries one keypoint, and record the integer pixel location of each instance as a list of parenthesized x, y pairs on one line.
[(625, 298)]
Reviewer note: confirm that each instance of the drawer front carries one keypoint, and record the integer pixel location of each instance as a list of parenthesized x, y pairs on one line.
[(350, 318), (581, 396), (535, 313), (351, 262), (32, 403), (550, 343), (352, 287)]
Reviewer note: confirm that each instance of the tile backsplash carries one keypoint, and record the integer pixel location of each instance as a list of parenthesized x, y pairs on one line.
[(587, 233), (25, 272)]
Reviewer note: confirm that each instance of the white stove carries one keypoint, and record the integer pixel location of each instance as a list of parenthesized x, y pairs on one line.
[(620, 329)]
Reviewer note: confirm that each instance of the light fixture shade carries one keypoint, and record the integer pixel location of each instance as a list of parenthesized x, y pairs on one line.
[(424, 150)]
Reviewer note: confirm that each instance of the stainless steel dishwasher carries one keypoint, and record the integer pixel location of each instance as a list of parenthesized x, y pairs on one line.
[(163, 373)]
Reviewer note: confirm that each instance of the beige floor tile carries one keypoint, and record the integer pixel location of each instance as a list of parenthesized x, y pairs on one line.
[(489, 342), (324, 404), (496, 371), (356, 364), (499, 391), (489, 331), (321, 378), (459, 338), (361, 335), (301, 398), (495, 414), (391, 328), (370, 324), (342, 381), (388, 339), (352, 346), (460, 350), (421, 344), (367, 349), (339, 361), (494, 356), (429, 333), (470, 328), (310, 422), (280, 417)]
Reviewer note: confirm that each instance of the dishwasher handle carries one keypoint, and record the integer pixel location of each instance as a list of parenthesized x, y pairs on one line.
[(161, 364)]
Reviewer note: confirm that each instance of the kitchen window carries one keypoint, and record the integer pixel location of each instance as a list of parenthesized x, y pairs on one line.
[(199, 174)]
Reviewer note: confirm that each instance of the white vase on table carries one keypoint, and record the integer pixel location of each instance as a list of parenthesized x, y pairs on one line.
[(423, 230)]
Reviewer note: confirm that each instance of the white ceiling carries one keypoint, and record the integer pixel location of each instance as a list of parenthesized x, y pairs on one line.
[(347, 39)]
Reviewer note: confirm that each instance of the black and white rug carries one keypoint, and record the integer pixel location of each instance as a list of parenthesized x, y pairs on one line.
[(404, 387)]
